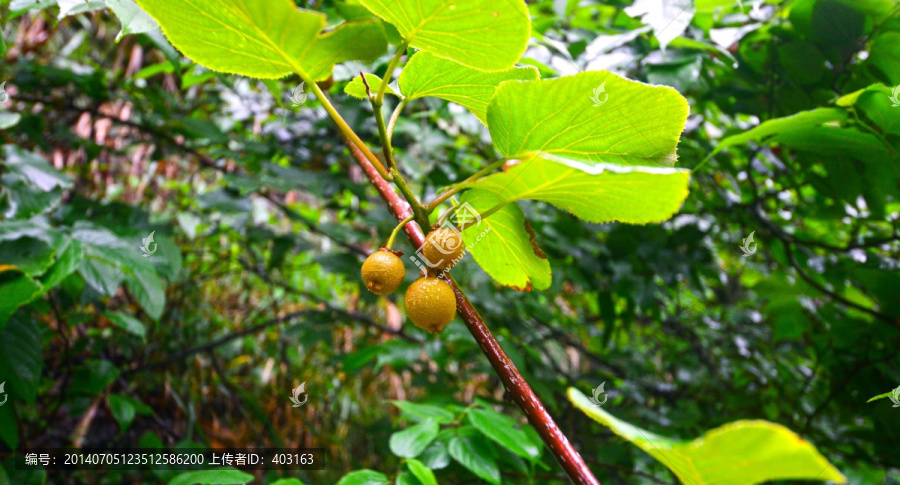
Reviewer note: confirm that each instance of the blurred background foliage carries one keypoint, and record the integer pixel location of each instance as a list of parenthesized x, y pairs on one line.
[(261, 220)]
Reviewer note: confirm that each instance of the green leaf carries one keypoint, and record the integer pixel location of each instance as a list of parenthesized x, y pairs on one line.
[(892, 395), (411, 442), (594, 144), (363, 477), (222, 476), (504, 244), (134, 20), (362, 40), (634, 124), (122, 410), (31, 255), (8, 120), (739, 453), (421, 472), (796, 130), (503, 431), (9, 428), (711, 6), (18, 199), (287, 481), (875, 103), (436, 455), (357, 89), (33, 168), (17, 289), (20, 357), (429, 75), (19, 7), (668, 18), (148, 290), (423, 412), (127, 323), (602, 193), (472, 452), (74, 7), (67, 262), (883, 55), (93, 376), (264, 39), (484, 34), (354, 361)]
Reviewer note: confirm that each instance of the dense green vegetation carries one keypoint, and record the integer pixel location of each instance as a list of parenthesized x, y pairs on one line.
[(687, 237)]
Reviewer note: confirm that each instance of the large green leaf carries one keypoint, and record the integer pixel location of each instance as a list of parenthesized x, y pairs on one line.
[(489, 35), (224, 476), (18, 289), (20, 357), (33, 256), (148, 289), (874, 102), (796, 130), (73, 7), (363, 477), (263, 39), (125, 408), (430, 75), (412, 441), (110, 260), (594, 144), (67, 262), (422, 412), (9, 430), (134, 20), (421, 472), (503, 431), (624, 122), (472, 452), (738, 453), (602, 193), (8, 120), (127, 323), (884, 56), (122, 410), (93, 377), (34, 169), (857, 160), (287, 481), (357, 40), (504, 244)]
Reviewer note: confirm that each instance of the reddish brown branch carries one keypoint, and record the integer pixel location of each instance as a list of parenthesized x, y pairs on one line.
[(514, 383)]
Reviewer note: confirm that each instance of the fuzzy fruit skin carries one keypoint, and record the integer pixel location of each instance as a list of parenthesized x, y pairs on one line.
[(430, 304), (382, 272), (440, 242)]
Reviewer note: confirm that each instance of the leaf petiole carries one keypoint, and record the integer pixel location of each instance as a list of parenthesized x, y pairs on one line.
[(394, 116), (389, 73), (457, 187), (345, 128), (390, 242)]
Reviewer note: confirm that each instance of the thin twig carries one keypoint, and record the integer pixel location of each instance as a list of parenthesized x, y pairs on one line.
[(178, 356)]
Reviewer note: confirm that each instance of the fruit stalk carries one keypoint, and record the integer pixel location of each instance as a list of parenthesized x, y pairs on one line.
[(512, 380)]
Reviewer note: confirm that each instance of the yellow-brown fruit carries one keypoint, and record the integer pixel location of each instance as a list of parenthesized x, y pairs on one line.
[(382, 272), (443, 247), (430, 304)]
